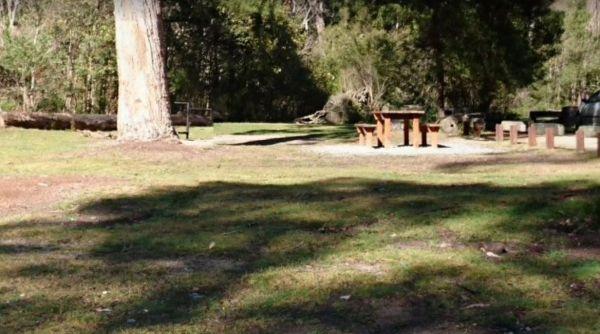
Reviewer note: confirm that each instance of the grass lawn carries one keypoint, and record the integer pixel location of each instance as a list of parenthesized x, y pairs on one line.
[(267, 237)]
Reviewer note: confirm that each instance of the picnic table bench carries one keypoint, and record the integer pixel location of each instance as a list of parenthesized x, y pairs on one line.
[(366, 134)]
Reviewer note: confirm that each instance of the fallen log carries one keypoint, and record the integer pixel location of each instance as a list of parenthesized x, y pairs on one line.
[(63, 121)]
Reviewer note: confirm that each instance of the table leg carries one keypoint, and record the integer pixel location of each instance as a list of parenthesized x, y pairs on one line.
[(406, 132), (416, 132), (424, 135), (388, 132), (380, 132)]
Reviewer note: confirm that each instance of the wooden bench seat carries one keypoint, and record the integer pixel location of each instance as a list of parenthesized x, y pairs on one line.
[(366, 134), (433, 130)]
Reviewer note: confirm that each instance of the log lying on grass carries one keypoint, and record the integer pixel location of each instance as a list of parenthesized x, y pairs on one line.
[(62, 121)]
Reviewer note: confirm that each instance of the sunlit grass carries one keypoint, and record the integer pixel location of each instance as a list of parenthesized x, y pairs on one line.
[(277, 239)]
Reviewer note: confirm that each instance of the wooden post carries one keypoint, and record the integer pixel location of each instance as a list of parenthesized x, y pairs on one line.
[(514, 134), (598, 147), (580, 141), (388, 132), (416, 132), (406, 132), (550, 138), (499, 133), (532, 136), (380, 139)]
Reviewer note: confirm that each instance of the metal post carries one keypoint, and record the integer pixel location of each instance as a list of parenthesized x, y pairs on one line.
[(187, 122)]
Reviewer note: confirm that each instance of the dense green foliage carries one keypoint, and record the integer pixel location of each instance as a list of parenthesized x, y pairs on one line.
[(240, 57), (574, 73), (278, 59), (59, 56)]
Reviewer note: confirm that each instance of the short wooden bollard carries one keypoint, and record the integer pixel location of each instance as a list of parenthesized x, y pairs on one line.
[(514, 134), (499, 133), (532, 136), (580, 139), (598, 147), (550, 138)]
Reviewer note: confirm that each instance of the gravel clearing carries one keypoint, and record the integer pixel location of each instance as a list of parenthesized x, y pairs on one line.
[(454, 148)]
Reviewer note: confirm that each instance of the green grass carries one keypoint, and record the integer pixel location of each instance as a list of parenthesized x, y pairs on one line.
[(269, 237)]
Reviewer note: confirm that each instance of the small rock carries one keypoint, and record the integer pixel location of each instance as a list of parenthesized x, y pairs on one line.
[(131, 321), (494, 247), (212, 245), (393, 235), (445, 245), (493, 255), (478, 305), (345, 297), (45, 185), (104, 293), (196, 296), (104, 310)]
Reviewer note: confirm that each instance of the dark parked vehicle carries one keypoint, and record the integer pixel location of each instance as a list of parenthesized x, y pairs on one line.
[(589, 113)]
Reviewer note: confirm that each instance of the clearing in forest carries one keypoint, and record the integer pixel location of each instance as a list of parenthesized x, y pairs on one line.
[(262, 234)]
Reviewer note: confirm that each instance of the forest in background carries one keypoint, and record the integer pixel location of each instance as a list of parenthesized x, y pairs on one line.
[(274, 60)]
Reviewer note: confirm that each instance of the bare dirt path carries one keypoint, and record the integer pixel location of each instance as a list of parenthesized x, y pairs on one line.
[(26, 195)]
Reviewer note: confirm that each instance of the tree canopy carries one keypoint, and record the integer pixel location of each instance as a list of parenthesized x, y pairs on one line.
[(274, 60)]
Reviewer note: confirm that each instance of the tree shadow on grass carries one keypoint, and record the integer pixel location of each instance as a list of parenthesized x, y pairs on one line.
[(341, 133), (559, 160), (211, 256)]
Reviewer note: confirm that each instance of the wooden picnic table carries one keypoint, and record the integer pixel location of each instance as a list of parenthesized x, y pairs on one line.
[(384, 125)]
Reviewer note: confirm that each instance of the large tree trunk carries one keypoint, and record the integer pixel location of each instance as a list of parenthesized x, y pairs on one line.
[(144, 106), (65, 121)]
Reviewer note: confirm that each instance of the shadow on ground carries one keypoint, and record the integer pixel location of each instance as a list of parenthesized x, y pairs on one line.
[(217, 256)]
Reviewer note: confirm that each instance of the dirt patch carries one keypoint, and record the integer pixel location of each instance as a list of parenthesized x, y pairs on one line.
[(19, 195), (584, 254)]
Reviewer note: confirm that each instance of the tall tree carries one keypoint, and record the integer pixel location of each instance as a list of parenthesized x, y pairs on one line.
[(144, 107)]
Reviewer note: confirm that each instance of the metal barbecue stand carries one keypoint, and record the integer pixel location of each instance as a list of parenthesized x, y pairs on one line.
[(187, 108)]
